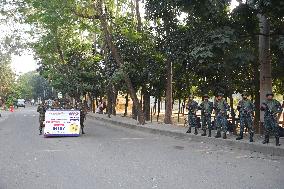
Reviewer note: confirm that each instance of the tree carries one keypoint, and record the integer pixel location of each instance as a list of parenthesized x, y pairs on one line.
[(7, 78)]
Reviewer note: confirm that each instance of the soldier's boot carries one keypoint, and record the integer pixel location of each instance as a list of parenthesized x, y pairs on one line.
[(195, 130), (218, 134), (189, 130), (240, 137), (266, 139), (40, 132), (209, 133), (83, 131), (277, 141), (251, 137), (204, 132), (224, 135)]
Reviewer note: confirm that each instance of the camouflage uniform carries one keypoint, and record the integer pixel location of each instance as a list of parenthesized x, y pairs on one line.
[(83, 113), (246, 109), (206, 108), (221, 107), (41, 110), (55, 105), (192, 107), (68, 106), (271, 108)]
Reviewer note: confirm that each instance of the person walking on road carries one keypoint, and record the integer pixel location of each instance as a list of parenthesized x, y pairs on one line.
[(83, 112), (221, 107), (41, 110), (206, 108), (192, 107), (246, 109), (271, 108)]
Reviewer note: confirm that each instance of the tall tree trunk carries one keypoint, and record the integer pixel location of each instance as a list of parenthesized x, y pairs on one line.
[(155, 106), (146, 105), (97, 101), (257, 98), (159, 109), (134, 112), (109, 100), (138, 16), (92, 102), (264, 59), (114, 97), (169, 96), (119, 60)]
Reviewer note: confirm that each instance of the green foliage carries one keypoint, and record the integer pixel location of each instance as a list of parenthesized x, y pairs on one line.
[(32, 86), (7, 78), (213, 49)]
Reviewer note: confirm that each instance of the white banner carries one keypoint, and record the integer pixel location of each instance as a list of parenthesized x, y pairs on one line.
[(62, 123)]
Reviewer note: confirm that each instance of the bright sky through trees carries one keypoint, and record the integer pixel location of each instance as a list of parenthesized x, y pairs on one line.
[(25, 62)]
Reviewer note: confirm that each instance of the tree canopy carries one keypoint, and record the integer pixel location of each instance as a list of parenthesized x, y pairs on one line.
[(105, 47)]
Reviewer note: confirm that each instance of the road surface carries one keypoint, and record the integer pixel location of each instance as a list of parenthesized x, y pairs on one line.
[(110, 157)]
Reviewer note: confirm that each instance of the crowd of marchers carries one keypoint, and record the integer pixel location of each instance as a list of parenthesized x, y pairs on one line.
[(270, 106)]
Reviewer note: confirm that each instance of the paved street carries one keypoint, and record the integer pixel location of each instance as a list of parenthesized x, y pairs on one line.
[(110, 157)]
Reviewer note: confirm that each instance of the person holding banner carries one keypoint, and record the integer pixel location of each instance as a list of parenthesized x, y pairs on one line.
[(79, 106), (67, 105), (55, 104), (41, 110)]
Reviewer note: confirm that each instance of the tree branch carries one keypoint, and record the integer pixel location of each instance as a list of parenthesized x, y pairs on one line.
[(82, 15)]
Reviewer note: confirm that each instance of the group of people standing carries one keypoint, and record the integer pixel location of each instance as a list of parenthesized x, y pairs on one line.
[(246, 108), (56, 105)]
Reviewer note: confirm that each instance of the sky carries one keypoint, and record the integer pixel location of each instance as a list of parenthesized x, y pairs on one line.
[(24, 63)]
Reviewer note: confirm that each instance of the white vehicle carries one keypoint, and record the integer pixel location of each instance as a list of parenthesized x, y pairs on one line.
[(21, 103)]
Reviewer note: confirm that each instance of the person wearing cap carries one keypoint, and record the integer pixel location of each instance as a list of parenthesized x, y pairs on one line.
[(246, 109), (206, 108), (83, 112), (271, 108), (192, 107), (221, 107), (67, 105), (55, 104), (41, 109)]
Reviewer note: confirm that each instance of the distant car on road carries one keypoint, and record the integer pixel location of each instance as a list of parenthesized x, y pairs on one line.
[(21, 103)]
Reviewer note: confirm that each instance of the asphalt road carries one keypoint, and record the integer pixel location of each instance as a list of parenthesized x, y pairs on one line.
[(110, 157)]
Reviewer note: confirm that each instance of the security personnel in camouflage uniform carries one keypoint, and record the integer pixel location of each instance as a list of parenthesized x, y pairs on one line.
[(55, 104), (206, 108), (221, 107), (83, 113), (246, 109), (271, 108), (67, 105), (192, 107), (41, 110)]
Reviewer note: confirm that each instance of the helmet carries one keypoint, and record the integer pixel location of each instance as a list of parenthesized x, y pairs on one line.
[(269, 93), (206, 95), (190, 96), (220, 94), (244, 94)]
